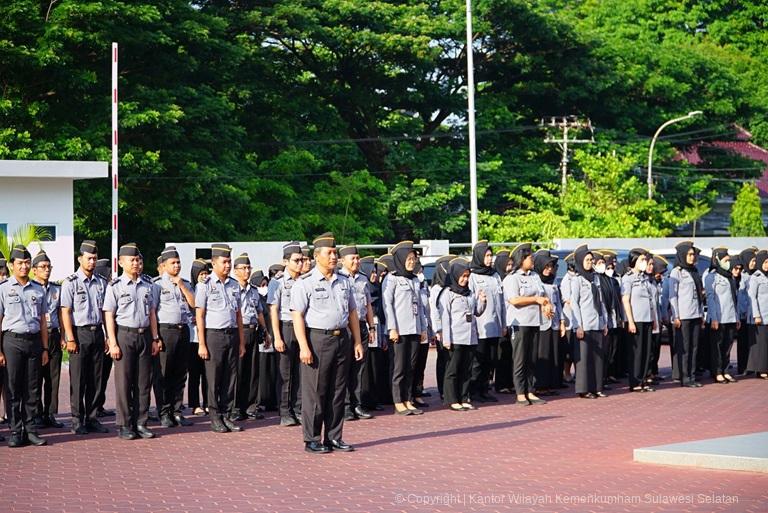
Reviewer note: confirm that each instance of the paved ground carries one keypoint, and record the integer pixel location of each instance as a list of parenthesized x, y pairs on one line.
[(567, 455)]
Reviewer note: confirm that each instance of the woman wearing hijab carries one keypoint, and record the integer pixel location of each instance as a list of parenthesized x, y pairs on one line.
[(490, 325), (641, 311), (503, 364), (748, 263), (569, 341), (196, 374), (439, 281), (423, 352), (268, 357), (589, 325), (526, 304), (459, 333), (406, 324), (758, 297), (380, 375), (367, 395), (657, 268), (610, 286), (548, 373), (723, 319), (686, 302)]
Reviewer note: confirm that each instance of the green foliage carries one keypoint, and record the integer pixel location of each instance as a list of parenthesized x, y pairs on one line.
[(26, 235), (747, 215)]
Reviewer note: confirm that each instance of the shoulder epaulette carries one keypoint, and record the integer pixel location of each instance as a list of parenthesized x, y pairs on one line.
[(207, 279), (115, 281), (156, 279), (146, 277), (71, 277), (304, 276), (186, 281), (3, 280)]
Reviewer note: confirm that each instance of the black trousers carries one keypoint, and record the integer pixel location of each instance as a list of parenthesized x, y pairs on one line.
[(173, 367), (503, 363), (405, 354), (758, 348), (290, 373), (588, 357), (106, 370), (722, 342), (324, 386), (22, 361), (524, 350), (269, 378), (655, 353), (379, 388), (196, 378), (482, 364), (639, 353), (441, 363), (50, 375), (611, 347), (86, 373), (221, 370), (686, 342), (247, 387), (547, 373), (133, 377), (355, 378), (458, 374), (742, 346), (418, 371)]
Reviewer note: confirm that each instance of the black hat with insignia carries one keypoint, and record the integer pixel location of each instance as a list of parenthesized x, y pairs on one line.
[(242, 260), (348, 250), (168, 253), (103, 268), (326, 240), (42, 256), (257, 277), (292, 248), (220, 250), (130, 249), (20, 252), (88, 246)]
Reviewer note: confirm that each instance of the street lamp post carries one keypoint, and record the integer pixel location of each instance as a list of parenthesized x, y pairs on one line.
[(653, 143), (471, 122)]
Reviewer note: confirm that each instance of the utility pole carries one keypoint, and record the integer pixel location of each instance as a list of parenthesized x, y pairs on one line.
[(570, 126)]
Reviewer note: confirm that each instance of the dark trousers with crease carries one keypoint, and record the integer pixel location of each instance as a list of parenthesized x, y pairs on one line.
[(588, 357), (355, 380), (686, 342), (106, 370), (722, 342), (173, 367), (324, 386), (269, 378), (380, 384), (405, 354), (22, 362), (50, 376), (221, 370), (742, 346), (418, 371), (611, 347), (441, 364), (290, 373), (503, 363), (196, 378), (247, 388), (458, 374), (133, 377), (639, 353), (482, 364), (86, 373), (524, 350), (547, 373)]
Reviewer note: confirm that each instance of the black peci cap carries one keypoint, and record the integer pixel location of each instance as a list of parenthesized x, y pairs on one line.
[(220, 250), (326, 240), (20, 252), (40, 257), (130, 249), (348, 250), (88, 246)]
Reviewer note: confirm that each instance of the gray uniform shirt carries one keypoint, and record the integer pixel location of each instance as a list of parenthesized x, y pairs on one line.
[(53, 301), (758, 296), (250, 305), (720, 304), (565, 296), (279, 293), (21, 306), (553, 293), (744, 306), (641, 296), (585, 314), (172, 306), (458, 317), (85, 297), (435, 310), (402, 305), (221, 300), (491, 323), (130, 301), (360, 291), (519, 284), (325, 303), (683, 300)]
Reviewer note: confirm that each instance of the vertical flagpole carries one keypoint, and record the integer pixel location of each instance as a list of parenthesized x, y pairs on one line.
[(114, 158), (471, 119)]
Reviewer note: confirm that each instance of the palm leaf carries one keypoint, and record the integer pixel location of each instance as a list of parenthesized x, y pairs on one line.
[(26, 235)]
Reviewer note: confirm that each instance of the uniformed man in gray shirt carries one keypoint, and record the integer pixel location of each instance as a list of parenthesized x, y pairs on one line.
[(220, 335), (174, 297), (23, 346), (130, 314), (323, 308), (82, 299)]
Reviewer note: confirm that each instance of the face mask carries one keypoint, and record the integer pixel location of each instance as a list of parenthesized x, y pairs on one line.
[(420, 276), (609, 272), (642, 266), (725, 265), (262, 290), (600, 268)]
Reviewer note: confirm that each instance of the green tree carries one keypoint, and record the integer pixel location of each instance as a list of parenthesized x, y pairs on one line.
[(746, 214)]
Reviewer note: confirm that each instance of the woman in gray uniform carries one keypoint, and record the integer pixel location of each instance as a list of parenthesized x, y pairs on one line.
[(638, 296), (458, 309), (686, 297), (748, 263), (548, 368), (502, 379), (722, 297), (406, 324), (589, 325), (758, 297), (439, 280), (526, 303)]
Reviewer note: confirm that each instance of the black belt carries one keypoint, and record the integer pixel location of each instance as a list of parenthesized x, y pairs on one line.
[(50, 330), (173, 326), (228, 331), (140, 331), (89, 327), (251, 326), (335, 333), (25, 336)]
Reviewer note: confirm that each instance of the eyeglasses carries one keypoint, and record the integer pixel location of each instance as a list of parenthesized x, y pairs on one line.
[(243, 267), (44, 267)]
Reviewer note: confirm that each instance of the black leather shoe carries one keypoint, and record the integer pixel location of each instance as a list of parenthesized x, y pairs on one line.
[(231, 425), (378, 407), (316, 447), (588, 395), (339, 445), (182, 421), (16, 441), (144, 432), (362, 414), (425, 394), (52, 422), (349, 415), (35, 439), (236, 417), (125, 433), (2, 438), (288, 421), (167, 422), (416, 411), (78, 428), (94, 426), (255, 415), (217, 426), (153, 415), (105, 413)]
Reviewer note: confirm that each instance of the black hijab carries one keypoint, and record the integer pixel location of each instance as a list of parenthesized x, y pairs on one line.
[(367, 265), (442, 265), (457, 267), (399, 254), (519, 254), (540, 260), (500, 264), (717, 255), (579, 255), (682, 250), (478, 259), (761, 257), (256, 278), (746, 257), (736, 262)]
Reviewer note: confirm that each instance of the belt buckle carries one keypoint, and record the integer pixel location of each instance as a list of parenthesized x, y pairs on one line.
[(92, 327), (336, 333), (141, 330)]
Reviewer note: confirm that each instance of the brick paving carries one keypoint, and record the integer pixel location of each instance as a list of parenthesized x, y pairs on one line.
[(567, 455)]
